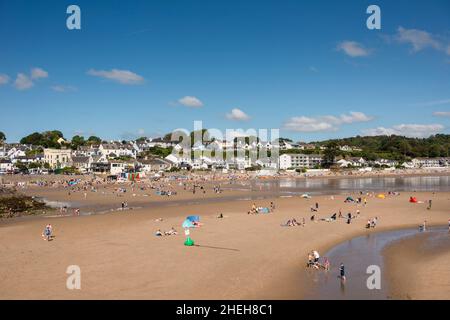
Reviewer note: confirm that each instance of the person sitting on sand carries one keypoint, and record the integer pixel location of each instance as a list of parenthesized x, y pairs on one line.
[(158, 233), (313, 217), (294, 222), (316, 256), (272, 207), (313, 209), (171, 232), (310, 259), (333, 217), (374, 222), (220, 216), (369, 223)]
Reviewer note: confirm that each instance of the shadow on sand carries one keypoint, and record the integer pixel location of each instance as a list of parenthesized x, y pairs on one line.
[(211, 247)]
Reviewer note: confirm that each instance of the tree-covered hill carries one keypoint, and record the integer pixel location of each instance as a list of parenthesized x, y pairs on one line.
[(396, 147)]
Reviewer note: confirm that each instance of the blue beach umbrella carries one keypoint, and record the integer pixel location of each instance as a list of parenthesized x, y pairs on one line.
[(193, 218)]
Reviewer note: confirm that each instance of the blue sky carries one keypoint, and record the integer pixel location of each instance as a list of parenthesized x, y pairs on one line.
[(310, 68)]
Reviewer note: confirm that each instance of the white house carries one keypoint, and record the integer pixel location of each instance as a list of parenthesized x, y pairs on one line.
[(16, 152), (83, 163), (426, 162), (119, 166), (115, 149), (58, 158), (6, 165), (298, 160), (154, 165)]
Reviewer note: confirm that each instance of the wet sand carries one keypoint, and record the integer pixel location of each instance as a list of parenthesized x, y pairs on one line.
[(418, 267), (239, 257), (368, 252)]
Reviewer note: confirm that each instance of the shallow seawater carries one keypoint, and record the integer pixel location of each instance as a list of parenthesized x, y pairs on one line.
[(324, 186), (357, 255)]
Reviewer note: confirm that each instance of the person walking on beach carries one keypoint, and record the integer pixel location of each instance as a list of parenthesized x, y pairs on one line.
[(47, 234), (423, 227), (429, 204), (342, 272), (317, 206)]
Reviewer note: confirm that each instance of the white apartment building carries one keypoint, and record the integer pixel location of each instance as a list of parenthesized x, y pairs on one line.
[(299, 160), (58, 158)]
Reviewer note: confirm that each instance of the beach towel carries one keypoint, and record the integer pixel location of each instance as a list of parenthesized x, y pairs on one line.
[(264, 210)]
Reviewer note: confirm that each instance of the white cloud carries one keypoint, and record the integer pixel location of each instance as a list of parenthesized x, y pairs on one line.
[(305, 124), (4, 79), (353, 49), (120, 76), (38, 73), (418, 39), (324, 123), (62, 88), (23, 82), (238, 115), (192, 102), (408, 130), (441, 113)]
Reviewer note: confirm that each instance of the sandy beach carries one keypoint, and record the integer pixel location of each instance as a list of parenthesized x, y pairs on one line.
[(418, 267), (242, 256)]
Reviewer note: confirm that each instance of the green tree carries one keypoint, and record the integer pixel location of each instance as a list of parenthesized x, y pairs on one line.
[(330, 153), (33, 139), (2, 137), (203, 135), (94, 140), (46, 139), (77, 141), (141, 139), (435, 151)]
